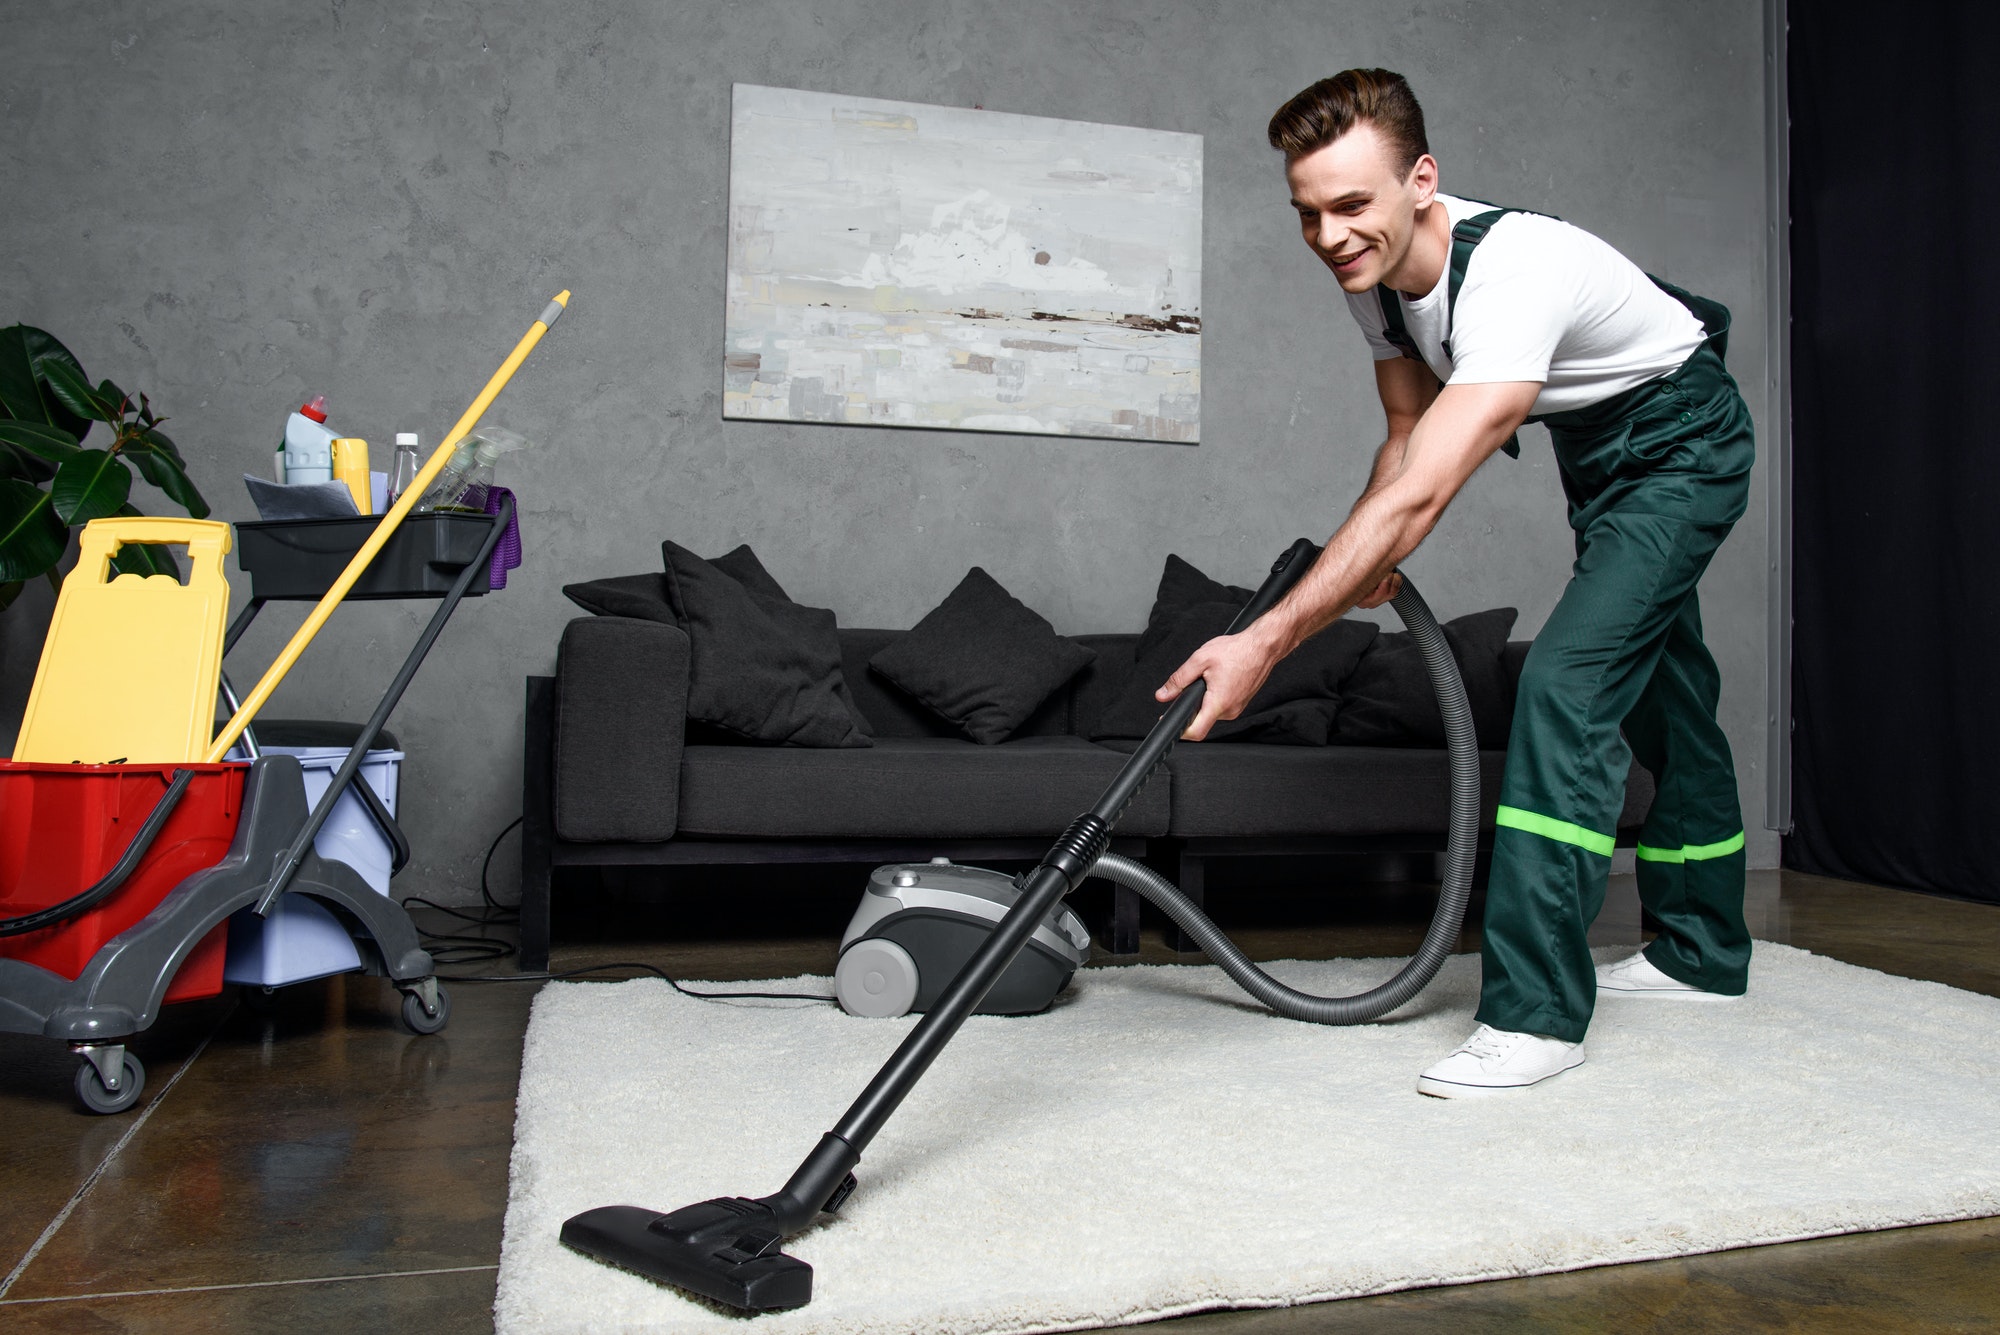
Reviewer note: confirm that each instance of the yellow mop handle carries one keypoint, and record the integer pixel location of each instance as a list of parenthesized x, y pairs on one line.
[(383, 531)]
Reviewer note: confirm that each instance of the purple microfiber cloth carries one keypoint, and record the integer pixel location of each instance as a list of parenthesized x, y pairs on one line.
[(507, 552)]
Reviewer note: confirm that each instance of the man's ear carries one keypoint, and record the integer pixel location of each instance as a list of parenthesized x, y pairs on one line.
[(1423, 179)]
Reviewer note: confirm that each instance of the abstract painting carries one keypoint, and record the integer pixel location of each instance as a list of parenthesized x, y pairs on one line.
[(897, 264)]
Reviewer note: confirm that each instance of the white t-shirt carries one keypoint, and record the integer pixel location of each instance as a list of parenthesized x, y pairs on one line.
[(1545, 301)]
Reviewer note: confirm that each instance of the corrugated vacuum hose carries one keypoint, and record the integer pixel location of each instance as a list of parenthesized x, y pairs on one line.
[(1462, 846)]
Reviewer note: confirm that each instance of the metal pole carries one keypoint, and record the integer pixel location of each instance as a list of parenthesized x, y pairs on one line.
[(295, 856)]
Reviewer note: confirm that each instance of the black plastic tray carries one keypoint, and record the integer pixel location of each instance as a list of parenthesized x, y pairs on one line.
[(299, 559)]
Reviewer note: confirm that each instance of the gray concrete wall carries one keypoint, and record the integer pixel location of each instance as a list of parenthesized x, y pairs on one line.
[(236, 205)]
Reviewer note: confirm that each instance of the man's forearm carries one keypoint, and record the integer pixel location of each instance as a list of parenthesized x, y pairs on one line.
[(1388, 464), (1386, 525), (1415, 476)]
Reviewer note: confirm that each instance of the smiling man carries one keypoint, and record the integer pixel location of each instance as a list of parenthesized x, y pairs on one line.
[(1480, 319)]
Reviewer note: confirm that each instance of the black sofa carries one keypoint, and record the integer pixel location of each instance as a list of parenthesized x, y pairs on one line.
[(612, 779)]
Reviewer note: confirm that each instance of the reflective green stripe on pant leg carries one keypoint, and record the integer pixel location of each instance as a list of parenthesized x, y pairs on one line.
[(1690, 881), (1693, 852), (1532, 822), (1537, 973), (1705, 942)]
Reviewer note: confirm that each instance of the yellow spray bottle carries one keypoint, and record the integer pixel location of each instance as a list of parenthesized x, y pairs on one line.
[(350, 465)]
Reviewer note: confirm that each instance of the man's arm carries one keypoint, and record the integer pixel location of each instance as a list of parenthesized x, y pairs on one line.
[(1457, 433), (1407, 388)]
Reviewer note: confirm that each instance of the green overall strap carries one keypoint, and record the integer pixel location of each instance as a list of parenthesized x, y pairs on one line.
[(1464, 238), (1714, 316), (1394, 329)]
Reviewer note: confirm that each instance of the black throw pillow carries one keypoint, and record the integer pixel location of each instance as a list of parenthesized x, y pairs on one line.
[(762, 668), (645, 596), (1299, 704), (981, 660), (1181, 585), (1389, 700), (743, 566)]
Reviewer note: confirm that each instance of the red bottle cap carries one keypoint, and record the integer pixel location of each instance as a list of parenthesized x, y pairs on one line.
[(316, 409)]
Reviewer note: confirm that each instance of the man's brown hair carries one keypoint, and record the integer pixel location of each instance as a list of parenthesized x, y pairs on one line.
[(1333, 106)]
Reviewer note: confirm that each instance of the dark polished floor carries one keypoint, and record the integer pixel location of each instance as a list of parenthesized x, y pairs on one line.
[(311, 1165)]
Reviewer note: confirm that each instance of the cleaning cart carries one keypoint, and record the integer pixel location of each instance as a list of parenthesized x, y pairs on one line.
[(128, 842)]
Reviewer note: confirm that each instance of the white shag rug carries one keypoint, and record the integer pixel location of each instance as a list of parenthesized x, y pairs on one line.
[(1157, 1144)]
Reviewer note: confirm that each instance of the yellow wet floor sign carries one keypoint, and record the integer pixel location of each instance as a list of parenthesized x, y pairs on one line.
[(131, 664)]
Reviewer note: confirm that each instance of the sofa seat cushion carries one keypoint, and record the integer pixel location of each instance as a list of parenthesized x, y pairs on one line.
[(1252, 790), (905, 787)]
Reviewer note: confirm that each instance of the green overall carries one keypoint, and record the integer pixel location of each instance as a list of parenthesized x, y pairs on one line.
[(1656, 477)]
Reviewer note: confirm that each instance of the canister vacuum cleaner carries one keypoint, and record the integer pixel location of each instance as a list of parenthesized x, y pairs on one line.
[(949, 940)]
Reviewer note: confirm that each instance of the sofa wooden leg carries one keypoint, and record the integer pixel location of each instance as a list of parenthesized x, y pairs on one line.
[(1124, 934), (1192, 877), (537, 824)]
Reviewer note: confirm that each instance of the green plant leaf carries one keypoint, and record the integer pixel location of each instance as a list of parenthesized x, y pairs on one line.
[(32, 539), (167, 474), (9, 592), (90, 486), (51, 443), (25, 352), (75, 393), (158, 440), (28, 467), (118, 400), (144, 558)]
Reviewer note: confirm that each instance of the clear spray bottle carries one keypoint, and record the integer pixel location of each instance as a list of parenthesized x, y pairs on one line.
[(468, 475)]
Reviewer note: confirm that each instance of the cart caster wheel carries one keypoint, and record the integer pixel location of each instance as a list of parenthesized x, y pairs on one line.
[(419, 1021), (258, 1000), (91, 1092)]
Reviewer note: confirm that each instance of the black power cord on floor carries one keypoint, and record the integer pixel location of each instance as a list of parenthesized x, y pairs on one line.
[(448, 948)]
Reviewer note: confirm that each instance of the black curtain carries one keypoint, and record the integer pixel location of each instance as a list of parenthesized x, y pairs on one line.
[(1895, 200)]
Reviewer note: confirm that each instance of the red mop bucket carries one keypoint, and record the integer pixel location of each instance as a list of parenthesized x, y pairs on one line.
[(63, 827)]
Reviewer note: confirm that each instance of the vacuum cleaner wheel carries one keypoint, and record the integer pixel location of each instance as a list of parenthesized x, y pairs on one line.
[(877, 979)]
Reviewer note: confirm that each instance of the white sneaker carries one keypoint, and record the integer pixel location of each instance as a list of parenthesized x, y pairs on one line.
[(1494, 1061), (1640, 977)]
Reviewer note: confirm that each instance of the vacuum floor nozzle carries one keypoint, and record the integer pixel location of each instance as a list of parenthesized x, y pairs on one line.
[(726, 1250)]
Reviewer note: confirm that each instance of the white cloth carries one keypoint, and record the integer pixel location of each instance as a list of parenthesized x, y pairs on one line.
[(1544, 301)]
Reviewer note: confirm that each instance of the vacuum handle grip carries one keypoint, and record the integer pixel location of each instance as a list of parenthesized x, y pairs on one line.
[(1286, 571)]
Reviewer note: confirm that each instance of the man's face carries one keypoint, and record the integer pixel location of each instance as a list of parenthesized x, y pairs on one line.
[(1355, 211)]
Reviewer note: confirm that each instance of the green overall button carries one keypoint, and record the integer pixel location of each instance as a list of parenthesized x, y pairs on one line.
[(1687, 417)]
